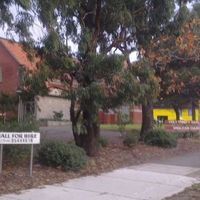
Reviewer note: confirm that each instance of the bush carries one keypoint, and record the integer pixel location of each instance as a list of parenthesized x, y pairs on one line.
[(16, 154), (68, 156), (123, 120), (158, 137), (103, 142), (25, 126), (58, 116), (131, 139), (187, 134)]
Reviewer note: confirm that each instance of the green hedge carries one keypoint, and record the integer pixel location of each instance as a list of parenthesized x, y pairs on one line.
[(25, 126), (161, 138), (68, 156), (16, 154)]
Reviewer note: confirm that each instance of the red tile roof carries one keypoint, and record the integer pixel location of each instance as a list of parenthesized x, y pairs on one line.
[(17, 52)]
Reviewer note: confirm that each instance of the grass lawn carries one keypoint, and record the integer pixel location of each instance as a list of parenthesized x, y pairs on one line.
[(115, 127)]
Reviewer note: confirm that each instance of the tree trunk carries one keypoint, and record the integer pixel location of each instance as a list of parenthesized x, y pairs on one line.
[(147, 119), (89, 140), (176, 109), (193, 112)]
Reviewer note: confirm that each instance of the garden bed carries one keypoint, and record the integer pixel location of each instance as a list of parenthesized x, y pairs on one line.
[(15, 178)]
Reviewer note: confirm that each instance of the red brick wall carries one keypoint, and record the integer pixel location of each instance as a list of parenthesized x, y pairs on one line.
[(112, 118), (136, 115), (108, 118), (9, 68)]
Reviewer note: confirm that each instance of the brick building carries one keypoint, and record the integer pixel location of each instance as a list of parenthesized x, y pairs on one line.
[(12, 59)]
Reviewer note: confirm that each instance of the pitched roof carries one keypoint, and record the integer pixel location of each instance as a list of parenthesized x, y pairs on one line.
[(18, 53)]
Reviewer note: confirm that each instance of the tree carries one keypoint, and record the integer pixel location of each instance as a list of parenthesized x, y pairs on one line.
[(153, 21), (161, 20), (7, 103), (99, 28), (177, 63), (95, 77), (19, 21)]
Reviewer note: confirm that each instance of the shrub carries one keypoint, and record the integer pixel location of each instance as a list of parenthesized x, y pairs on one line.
[(25, 126), (131, 139), (16, 154), (123, 120), (58, 116), (187, 134), (158, 137), (68, 156), (103, 142)]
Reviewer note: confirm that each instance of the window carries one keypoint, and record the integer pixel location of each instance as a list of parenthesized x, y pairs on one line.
[(1, 75), (162, 118)]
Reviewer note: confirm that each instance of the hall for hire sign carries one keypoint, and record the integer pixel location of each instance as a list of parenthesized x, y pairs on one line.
[(19, 138)]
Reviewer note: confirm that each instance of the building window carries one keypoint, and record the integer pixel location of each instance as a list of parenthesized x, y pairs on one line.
[(1, 75)]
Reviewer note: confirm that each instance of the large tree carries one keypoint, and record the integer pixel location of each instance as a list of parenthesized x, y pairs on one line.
[(99, 28), (95, 76), (153, 21), (162, 20), (177, 61)]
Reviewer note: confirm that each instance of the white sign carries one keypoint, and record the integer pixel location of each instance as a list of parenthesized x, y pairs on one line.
[(19, 138)]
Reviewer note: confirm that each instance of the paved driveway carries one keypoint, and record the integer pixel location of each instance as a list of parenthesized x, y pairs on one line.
[(64, 133)]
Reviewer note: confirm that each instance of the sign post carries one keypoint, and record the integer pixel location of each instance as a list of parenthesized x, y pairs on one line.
[(31, 161), (30, 138), (1, 157)]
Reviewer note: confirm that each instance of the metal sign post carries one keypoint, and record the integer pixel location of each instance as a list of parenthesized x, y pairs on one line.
[(1, 157), (31, 161), (19, 138)]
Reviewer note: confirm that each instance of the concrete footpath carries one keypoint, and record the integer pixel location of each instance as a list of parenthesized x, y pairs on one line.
[(144, 182), (151, 181)]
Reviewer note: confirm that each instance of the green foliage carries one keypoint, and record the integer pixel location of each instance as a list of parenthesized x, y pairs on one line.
[(58, 115), (16, 154), (160, 138), (59, 154), (123, 120), (187, 134), (131, 139), (25, 126), (196, 10), (103, 142), (7, 102), (115, 127), (36, 83)]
